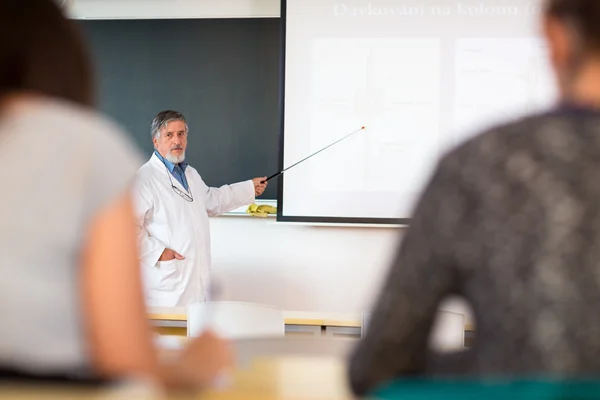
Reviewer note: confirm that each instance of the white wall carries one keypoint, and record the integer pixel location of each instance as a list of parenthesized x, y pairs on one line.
[(173, 9), (299, 267)]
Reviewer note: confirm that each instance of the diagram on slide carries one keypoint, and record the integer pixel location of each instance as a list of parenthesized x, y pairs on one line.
[(499, 79), (391, 86)]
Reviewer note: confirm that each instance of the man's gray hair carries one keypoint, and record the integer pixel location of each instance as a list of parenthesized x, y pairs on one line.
[(162, 119)]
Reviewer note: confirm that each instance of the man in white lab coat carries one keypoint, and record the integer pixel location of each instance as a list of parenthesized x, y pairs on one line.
[(172, 205)]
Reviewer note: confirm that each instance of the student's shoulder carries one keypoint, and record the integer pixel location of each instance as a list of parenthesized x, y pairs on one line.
[(89, 135), (501, 140), (84, 123)]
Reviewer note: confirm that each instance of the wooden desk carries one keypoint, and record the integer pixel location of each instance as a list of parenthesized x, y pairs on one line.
[(288, 378), (272, 378)]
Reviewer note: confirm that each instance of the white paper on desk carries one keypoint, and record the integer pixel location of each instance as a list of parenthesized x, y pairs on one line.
[(168, 342)]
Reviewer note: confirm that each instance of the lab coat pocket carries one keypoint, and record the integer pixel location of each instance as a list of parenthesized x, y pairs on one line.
[(167, 274)]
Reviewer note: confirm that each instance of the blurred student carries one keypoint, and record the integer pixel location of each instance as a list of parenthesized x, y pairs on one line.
[(70, 295), (511, 221)]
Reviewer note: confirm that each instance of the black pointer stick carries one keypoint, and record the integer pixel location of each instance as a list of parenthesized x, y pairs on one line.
[(313, 154)]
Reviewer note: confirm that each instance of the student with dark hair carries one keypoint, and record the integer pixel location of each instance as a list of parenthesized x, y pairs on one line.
[(43, 53), (70, 295), (511, 221)]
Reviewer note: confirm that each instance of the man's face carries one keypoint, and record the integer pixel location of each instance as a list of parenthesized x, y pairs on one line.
[(172, 142)]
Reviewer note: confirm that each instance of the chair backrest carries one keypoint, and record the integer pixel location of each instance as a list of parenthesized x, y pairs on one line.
[(490, 388), (448, 332), (364, 324), (246, 350), (235, 320)]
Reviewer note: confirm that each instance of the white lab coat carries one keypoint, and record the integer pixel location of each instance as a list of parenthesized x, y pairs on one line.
[(166, 220)]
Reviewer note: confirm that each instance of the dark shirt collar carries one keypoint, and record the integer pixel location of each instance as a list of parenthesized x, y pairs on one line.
[(572, 107)]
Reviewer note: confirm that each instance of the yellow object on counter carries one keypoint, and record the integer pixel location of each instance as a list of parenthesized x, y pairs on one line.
[(261, 211)]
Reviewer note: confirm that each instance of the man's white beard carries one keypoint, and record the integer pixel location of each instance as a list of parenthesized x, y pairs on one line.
[(175, 159)]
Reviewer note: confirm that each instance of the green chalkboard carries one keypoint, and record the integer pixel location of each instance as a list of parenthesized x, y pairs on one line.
[(222, 74)]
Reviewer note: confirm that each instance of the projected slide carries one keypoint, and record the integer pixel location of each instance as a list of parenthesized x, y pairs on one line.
[(422, 76), (514, 74), (392, 87)]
